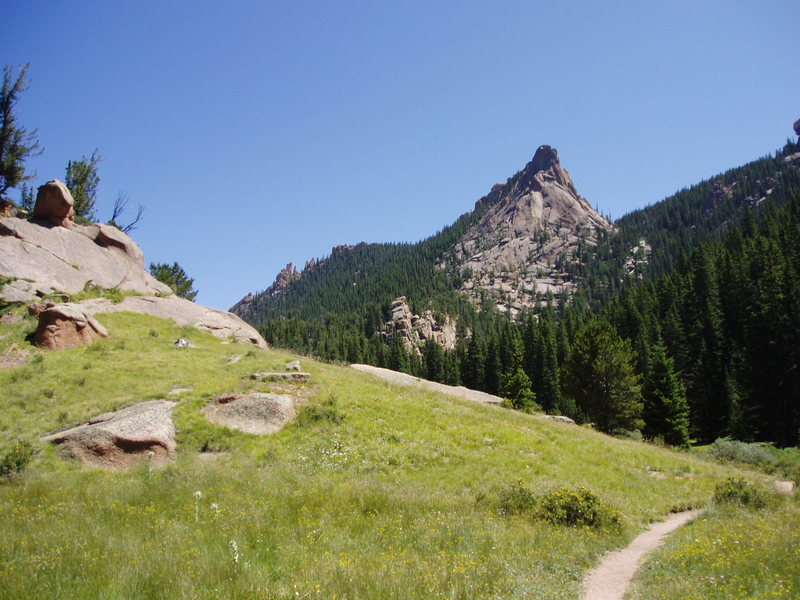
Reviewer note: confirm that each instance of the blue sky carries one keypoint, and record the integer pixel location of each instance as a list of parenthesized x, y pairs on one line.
[(259, 133)]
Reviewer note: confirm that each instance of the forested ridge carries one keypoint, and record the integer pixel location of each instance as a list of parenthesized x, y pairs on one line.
[(702, 331)]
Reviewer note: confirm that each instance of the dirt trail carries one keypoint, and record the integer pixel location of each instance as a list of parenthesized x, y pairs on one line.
[(611, 578)]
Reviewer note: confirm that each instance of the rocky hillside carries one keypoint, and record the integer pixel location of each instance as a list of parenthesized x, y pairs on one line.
[(533, 228), (50, 260)]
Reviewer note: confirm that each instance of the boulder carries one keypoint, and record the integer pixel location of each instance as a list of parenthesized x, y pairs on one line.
[(122, 438), (66, 326), (293, 365), (559, 419), (256, 413), (53, 258), (184, 312), (54, 204)]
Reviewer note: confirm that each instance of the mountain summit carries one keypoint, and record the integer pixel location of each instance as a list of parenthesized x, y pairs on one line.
[(535, 225)]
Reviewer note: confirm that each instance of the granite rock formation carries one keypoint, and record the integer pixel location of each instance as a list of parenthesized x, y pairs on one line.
[(415, 330), (41, 258), (533, 227)]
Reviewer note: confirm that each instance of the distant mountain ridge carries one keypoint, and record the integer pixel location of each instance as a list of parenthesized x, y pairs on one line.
[(514, 248), (530, 243)]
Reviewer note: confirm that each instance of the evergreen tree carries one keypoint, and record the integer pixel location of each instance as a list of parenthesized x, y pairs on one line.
[(26, 201), (473, 369), (434, 361), (711, 390), (599, 376), (397, 358), (176, 278), (666, 411), (16, 143), (492, 368), (515, 385), (82, 180)]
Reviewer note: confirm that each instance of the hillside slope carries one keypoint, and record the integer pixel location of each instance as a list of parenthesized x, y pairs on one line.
[(375, 491)]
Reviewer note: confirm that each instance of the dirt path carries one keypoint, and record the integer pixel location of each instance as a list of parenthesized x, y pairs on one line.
[(404, 379), (611, 578)]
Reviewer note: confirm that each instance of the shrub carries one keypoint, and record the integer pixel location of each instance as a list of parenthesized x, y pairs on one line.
[(576, 507), (16, 459), (739, 491), (758, 455), (517, 499), (327, 410)]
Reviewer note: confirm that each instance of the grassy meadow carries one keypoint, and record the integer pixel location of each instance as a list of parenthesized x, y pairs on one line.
[(375, 492)]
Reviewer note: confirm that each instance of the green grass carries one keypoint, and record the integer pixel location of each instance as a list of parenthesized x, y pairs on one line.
[(734, 552), (383, 492)]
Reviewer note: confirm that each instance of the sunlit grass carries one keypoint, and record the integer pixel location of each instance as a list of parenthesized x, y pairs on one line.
[(732, 553), (396, 497)]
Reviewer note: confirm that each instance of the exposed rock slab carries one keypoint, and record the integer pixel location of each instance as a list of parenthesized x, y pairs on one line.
[(122, 438), (184, 312), (66, 326), (292, 377), (257, 413), (52, 258), (405, 379)]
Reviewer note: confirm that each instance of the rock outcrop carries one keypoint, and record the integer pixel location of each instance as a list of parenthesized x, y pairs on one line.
[(534, 225), (54, 204), (123, 438), (184, 312), (257, 413), (415, 330), (41, 258), (67, 326)]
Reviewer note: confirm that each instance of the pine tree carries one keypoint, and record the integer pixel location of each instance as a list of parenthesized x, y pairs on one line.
[(16, 143), (82, 180), (599, 376), (176, 278), (666, 411), (434, 361)]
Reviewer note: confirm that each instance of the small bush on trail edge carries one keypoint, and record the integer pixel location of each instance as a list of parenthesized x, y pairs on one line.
[(739, 491), (16, 459), (575, 507), (327, 410)]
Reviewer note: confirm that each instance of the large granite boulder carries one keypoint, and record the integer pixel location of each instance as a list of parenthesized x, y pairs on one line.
[(54, 204), (55, 259), (222, 324), (122, 438), (66, 326)]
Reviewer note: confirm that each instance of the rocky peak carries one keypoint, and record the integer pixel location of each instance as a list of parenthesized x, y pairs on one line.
[(533, 227), (285, 277)]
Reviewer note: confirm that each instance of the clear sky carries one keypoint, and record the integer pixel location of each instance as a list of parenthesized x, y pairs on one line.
[(259, 133)]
